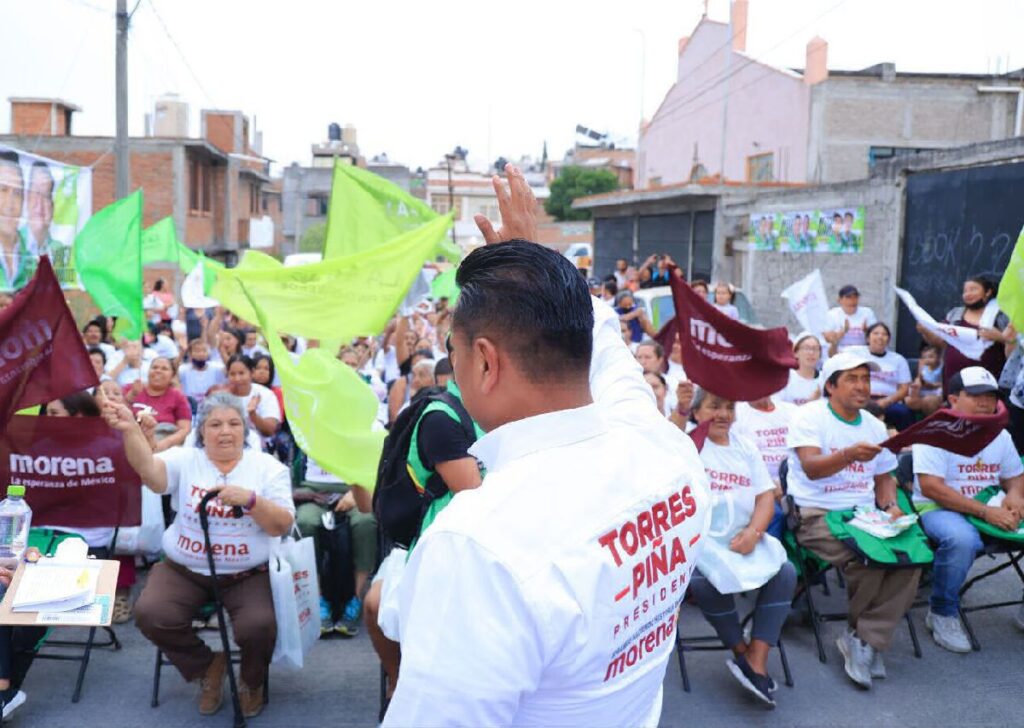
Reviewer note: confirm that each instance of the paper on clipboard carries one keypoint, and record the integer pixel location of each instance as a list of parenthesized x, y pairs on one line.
[(53, 586)]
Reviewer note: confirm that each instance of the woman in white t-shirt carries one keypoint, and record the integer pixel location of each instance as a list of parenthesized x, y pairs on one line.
[(890, 384), (804, 383), (250, 481), (743, 489), (260, 403)]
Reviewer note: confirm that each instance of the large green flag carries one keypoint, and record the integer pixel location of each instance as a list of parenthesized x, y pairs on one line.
[(331, 411), (108, 258), (354, 295), (367, 210), (160, 244), (1011, 288)]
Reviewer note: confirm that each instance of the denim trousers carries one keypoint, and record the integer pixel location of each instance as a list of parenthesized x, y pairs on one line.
[(959, 543)]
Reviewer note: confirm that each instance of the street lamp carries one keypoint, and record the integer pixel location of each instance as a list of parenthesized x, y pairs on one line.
[(449, 158)]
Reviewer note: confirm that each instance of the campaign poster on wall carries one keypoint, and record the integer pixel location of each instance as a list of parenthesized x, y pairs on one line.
[(44, 204), (831, 230)]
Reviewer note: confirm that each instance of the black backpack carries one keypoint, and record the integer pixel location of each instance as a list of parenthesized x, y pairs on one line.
[(398, 504)]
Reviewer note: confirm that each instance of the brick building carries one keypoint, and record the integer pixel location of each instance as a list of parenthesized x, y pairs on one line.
[(216, 187)]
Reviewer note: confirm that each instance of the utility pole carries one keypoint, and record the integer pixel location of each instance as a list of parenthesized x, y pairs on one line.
[(451, 194), (121, 102)]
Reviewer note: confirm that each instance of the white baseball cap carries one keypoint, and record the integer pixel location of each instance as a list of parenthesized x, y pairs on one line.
[(973, 380), (845, 361)]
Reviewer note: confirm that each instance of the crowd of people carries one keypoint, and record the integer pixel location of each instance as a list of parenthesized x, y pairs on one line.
[(201, 409)]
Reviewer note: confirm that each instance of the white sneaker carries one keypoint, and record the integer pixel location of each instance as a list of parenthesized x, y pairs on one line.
[(14, 703), (948, 632), (878, 667), (858, 656)]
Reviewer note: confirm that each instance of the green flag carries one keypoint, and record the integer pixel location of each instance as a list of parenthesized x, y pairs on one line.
[(367, 210), (1011, 288), (108, 258), (331, 411), (444, 286), (350, 296), (160, 244)]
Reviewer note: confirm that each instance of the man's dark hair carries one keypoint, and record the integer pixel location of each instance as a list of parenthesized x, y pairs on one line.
[(612, 288), (531, 301), (98, 350), (831, 382), (40, 165), (78, 403), (659, 350), (97, 323), (443, 368), (11, 157), (422, 353)]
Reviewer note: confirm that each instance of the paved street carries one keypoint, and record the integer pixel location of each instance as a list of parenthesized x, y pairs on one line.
[(339, 686)]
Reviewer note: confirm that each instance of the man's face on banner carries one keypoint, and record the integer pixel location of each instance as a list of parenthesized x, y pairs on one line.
[(11, 197), (40, 203)]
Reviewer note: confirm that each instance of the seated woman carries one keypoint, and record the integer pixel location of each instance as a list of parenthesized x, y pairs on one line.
[(178, 586), (890, 384), (281, 444), (804, 383), (737, 473), (165, 402), (260, 404)]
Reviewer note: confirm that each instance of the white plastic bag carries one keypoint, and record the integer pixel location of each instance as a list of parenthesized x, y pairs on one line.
[(147, 538), (294, 586), (730, 572)]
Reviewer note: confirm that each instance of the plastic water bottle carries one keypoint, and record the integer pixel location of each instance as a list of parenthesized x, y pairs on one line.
[(15, 520)]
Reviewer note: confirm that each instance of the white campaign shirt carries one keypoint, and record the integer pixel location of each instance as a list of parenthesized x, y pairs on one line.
[(816, 426), (767, 431), (267, 406), (968, 476), (547, 596), (238, 544), (893, 371), (798, 390), (196, 383), (859, 320), (738, 473)]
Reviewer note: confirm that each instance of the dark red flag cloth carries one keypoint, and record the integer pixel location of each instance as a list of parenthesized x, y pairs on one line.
[(74, 471), (42, 356), (699, 434), (723, 355), (956, 432)]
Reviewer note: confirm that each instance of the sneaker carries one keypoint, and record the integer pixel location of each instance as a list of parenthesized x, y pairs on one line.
[(1018, 618), (326, 623), (211, 686), (348, 625), (858, 656), (11, 700), (948, 632), (878, 667), (754, 683)]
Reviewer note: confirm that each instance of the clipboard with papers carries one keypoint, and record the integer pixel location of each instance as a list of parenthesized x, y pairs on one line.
[(61, 592)]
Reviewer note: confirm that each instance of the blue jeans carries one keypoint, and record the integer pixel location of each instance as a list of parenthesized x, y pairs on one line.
[(959, 544)]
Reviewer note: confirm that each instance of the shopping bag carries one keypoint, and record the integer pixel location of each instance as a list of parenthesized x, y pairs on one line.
[(147, 538), (293, 585), (730, 572)]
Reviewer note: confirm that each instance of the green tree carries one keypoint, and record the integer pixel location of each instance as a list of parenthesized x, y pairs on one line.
[(576, 182), (312, 241)]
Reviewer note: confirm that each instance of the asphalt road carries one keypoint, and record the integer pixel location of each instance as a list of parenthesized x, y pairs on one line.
[(339, 685)]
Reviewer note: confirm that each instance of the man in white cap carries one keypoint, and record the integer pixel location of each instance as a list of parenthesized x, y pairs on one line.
[(836, 463), (945, 486)]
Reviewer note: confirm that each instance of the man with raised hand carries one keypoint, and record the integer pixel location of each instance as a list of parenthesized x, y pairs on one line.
[(548, 595)]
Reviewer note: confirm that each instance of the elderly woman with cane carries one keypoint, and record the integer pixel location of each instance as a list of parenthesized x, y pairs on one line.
[(253, 505)]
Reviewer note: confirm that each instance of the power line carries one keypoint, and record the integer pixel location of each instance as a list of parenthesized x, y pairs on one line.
[(184, 59)]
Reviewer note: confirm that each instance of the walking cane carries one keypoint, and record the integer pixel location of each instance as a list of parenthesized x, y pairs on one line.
[(204, 522)]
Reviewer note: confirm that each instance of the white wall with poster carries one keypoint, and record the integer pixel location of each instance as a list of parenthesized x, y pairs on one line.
[(44, 204)]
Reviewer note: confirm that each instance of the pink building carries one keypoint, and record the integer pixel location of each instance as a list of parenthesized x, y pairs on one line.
[(725, 104)]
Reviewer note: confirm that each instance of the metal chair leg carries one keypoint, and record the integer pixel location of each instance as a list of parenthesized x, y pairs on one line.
[(85, 664), (975, 645), (155, 699), (785, 663), (913, 635), (681, 654), (815, 618)]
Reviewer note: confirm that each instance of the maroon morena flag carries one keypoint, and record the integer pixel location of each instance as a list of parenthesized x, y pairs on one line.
[(699, 434), (42, 357), (725, 356), (74, 471), (946, 429)]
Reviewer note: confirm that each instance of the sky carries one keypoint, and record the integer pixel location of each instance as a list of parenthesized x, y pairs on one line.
[(419, 78)]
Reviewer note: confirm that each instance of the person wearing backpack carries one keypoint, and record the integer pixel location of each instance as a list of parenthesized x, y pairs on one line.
[(425, 461), (835, 464)]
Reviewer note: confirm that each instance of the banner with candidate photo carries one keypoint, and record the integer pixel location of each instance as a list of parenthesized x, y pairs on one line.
[(43, 205), (828, 230)]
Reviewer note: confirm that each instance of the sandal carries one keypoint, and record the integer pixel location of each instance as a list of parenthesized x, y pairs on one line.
[(122, 611)]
